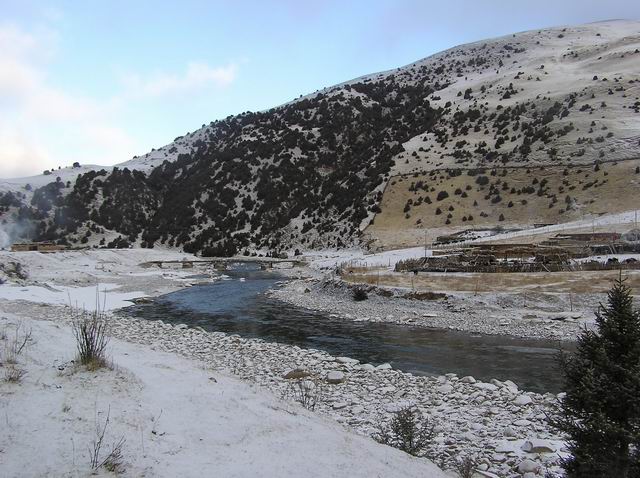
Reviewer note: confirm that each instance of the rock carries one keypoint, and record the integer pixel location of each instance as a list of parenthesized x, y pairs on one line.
[(367, 367), (528, 466), (509, 432), (536, 445), (296, 373), (383, 366), (339, 405), (335, 376), (522, 423), (347, 361), (509, 385), (522, 400), (529, 475), (486, 386), (446, 388), (468, 379), (504, 448)]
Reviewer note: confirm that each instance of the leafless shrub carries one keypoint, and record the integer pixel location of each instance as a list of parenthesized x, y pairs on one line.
[(91, 330), (114, 460), (407, 431), (466, 466), (14, 374), (306, 392), (14, 344)]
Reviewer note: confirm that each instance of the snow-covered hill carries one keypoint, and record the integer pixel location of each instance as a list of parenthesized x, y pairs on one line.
[(312, 172)]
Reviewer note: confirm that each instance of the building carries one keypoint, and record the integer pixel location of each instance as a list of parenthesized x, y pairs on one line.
[(36, 246)]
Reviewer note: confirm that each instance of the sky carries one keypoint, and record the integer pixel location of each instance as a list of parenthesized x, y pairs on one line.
[(98, 82)]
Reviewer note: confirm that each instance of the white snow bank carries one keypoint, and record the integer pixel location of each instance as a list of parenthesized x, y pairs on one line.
[(356, 257), (78, 297)]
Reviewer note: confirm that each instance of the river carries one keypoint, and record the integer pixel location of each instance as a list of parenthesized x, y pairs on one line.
[(237, 304)]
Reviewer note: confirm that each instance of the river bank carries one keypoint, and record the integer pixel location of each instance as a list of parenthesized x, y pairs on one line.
[(493, 420), (175, 412), (541, 316), (489, 420)]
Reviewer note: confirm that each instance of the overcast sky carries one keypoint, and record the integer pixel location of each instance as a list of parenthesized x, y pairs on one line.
[(101, 81)]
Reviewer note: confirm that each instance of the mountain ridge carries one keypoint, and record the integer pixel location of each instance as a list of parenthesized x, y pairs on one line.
[(310, 173)]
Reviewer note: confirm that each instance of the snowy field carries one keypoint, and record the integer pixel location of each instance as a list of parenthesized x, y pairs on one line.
[(177, 417)]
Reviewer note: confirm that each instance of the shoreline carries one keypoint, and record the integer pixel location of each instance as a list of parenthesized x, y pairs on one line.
[(487, 314), (492, 420)]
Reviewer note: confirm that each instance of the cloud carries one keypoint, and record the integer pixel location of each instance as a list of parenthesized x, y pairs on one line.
[(43, 126), (197, 76)]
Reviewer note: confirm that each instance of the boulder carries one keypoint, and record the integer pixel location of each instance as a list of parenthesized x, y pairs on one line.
[(468, 379), (486, 386), (347, 361), (296, 373), (335, 376), (509, 385), (383, 366), (522, 400), (528, 466), (446, 388), (536, 445), (367, 367), (522, 423)]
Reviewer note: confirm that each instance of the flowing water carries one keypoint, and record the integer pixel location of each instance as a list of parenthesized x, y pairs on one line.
[(237, 305)]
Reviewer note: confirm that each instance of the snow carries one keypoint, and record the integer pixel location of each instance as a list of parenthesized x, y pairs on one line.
[(625, 218), (177, 417), (65, 174), (102, 296), (331, 259)]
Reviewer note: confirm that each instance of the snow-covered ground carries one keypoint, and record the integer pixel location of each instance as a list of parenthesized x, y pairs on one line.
[(627, 219), (178, 417), (331, 259), (176, 398)]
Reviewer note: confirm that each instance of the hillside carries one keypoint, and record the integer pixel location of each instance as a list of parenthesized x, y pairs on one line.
[(314, 172)]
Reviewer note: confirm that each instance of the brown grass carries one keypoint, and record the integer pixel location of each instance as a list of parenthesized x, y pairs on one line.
[(393, 229), (555, 282)]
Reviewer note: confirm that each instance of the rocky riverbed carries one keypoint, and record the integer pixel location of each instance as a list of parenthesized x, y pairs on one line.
[(544, 316), (504, 427)]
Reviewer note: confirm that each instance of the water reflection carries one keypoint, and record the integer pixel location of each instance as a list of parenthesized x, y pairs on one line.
[(240, 307)]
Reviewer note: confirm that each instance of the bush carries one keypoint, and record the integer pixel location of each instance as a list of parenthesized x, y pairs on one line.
[(405, 432), (442, 195), (306, 392), (359, 294), (114, 461), (466, 466), (91, 331), (601, 411)]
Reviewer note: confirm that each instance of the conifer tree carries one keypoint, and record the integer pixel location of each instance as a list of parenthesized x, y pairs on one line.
[(601, 411)]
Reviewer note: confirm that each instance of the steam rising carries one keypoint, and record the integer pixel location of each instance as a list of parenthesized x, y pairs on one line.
[(14, 232), (5, 241)]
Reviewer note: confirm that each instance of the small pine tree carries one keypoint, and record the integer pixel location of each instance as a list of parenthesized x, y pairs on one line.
[(601, 411)]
